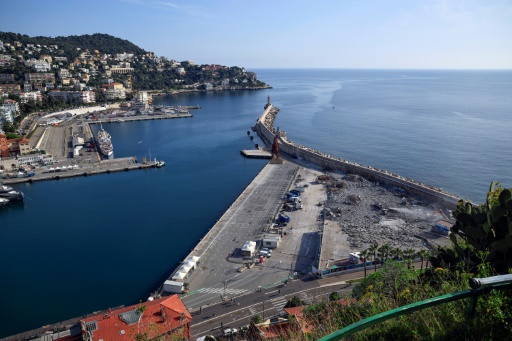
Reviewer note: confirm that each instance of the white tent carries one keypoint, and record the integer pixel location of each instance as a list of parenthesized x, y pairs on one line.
[(190, 264), (194, 259), (185, 268), (51, 169), (179, 275)]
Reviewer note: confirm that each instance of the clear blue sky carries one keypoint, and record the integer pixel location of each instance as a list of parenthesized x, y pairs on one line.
[(427, 34)]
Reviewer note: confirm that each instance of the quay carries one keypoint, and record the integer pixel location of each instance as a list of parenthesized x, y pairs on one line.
[(122, 119), (103, 167)]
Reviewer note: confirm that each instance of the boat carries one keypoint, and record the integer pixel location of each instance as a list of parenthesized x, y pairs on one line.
[(3, 201), (12, 195), (159, 164), (104, 142), (5, 189)]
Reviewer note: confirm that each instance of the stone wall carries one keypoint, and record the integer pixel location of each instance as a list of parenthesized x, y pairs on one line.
[(331, 163)]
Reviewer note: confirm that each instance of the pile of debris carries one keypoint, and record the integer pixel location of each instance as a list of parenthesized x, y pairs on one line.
[(369, 212)]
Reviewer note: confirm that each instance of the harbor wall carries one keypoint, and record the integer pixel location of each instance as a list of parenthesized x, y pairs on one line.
[(264, 128)]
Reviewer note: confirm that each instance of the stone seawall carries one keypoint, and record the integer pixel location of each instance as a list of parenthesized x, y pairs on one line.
[(328, 162)]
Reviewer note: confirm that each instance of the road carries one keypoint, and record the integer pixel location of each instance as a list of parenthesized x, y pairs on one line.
[(270, 302)]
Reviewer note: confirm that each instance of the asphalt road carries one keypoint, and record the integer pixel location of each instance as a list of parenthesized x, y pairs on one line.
[(270, 302)]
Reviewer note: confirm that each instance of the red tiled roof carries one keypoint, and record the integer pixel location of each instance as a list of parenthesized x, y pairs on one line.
[(161, 316), (279, 331)]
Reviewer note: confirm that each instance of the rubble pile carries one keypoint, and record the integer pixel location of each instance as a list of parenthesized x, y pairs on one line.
[(369, 213)]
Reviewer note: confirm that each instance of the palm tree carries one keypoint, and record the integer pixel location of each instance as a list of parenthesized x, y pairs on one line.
[(385, 250), (423, 254), (373, 250), (409, 254), (398, 252), (364, 254)]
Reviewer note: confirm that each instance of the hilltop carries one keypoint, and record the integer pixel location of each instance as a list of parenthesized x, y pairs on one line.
[(72, 45), (44, 73)]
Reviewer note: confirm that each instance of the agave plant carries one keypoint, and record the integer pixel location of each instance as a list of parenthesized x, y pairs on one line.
[(481, 233)]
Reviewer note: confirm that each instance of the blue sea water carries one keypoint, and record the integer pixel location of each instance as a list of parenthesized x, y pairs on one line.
[(88, 243)]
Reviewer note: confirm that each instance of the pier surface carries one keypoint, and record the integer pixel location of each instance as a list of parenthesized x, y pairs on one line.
[(256, 154), (249, 217)]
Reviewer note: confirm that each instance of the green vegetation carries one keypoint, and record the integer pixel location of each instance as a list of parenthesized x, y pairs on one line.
[(334, 296), (482, 234), (294, 302), (68, 45), (257, 319)]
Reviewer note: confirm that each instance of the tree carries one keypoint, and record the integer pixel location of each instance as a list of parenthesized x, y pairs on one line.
[(373, 250), (257, 319), (364, 255), (294, 302), (384, 252), (334, 296), (423, 254), (397, 252)]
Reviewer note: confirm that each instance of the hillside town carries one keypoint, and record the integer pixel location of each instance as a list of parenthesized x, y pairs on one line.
[(43, 77)]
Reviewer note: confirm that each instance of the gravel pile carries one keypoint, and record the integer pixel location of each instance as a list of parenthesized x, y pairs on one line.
[(369, 212)]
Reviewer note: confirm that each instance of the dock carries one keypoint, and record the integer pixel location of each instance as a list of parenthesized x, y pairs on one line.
[(103, 167), (256, 154)]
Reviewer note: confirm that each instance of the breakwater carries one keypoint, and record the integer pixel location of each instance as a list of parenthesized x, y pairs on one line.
[(265, 129)]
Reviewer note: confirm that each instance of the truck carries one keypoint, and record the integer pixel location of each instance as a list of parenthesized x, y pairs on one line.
[(284, 218)]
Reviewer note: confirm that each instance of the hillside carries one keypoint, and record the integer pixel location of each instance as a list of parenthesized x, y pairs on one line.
[(97, 41)]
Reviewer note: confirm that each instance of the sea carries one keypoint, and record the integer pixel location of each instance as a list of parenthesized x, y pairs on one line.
[(89, 243)]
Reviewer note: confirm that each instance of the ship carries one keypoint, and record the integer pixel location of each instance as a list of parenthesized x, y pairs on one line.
[(105, 143)]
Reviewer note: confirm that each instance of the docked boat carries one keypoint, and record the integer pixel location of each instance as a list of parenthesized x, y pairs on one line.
[(105, 143), (5, 189), (3, 201), (159, 164), (12, 195)]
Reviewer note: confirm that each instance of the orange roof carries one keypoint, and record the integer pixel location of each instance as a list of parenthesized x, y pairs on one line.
[(297, 312), (160, 316)]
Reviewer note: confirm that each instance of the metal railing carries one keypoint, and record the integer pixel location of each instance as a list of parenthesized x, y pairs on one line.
[(478, 286)]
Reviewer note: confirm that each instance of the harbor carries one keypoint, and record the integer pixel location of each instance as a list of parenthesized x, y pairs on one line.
[(283, 227), (65, 145)]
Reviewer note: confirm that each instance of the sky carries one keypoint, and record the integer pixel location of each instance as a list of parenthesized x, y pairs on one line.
[(395, 34)]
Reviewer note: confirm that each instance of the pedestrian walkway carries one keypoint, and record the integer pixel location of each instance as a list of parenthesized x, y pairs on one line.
[(279, 303), (222, 291)]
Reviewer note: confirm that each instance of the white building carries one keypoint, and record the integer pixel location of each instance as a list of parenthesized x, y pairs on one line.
[(6, 115), (249, 249), (77, 96), (113, 94), (141, 101), (271, 241), (27, 96), (11, 105), (37, 159)]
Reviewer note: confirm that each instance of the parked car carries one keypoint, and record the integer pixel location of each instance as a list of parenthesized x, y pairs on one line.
[(230, 331), (267, 251)]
